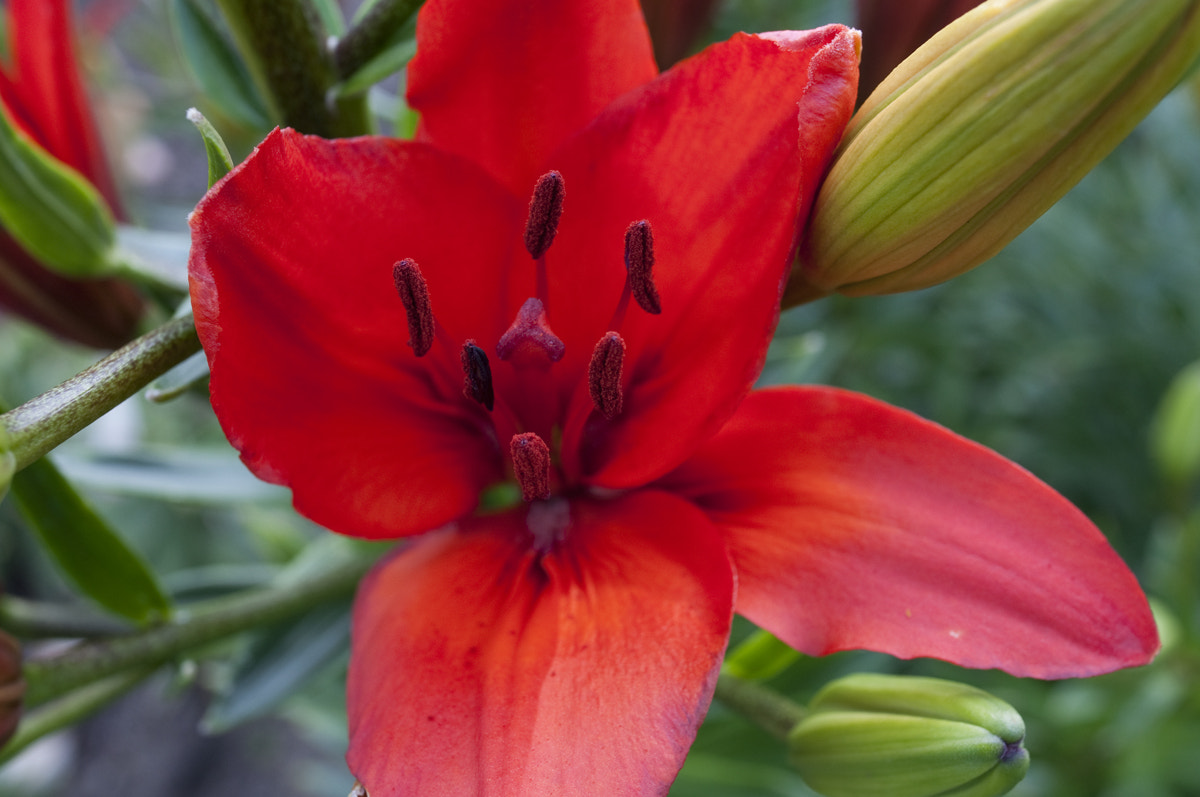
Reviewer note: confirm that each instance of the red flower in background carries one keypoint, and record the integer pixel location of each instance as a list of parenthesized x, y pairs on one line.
[(42, 92), (569, 643)]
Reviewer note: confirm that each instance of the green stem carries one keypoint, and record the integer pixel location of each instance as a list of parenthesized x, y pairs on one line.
[(769, 710), (41, 424), (31, 620), (205, 623), (373, 32), (69, 710), (284, 44)]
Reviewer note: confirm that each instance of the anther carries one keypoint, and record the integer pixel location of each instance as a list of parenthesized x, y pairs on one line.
[(415, 295), (639, 264), (477, 375), (604, 375), (531, 464), (529, 340), (545, 209)]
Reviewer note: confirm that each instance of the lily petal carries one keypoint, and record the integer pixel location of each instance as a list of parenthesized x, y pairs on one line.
[(312, 376), (854, 524), (46, 94), (505, 82), (722, 155), (480, 667)]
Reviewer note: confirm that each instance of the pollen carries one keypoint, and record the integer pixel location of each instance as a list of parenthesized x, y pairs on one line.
[(604, 375), (414, 294), (639, 264), (545, 209), (477, 375), (531, 465)]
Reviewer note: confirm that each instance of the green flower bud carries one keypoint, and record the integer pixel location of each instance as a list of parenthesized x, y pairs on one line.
[(980, 131), (1175, 436), (908, 737), (51, 209)]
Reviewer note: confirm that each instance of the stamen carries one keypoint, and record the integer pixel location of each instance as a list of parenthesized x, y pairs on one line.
[(545, 209), (639, 263), (477, 375), (531, 464), (414, 293), (529, 340), (604, 375)]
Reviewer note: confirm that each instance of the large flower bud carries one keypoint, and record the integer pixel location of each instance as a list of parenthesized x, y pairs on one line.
[(908, 737), (980, 131)]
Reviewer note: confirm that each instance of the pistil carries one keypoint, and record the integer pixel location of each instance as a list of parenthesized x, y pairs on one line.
[(529, 341)]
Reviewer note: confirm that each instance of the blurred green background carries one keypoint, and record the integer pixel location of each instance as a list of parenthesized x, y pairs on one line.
[(1057, 354)]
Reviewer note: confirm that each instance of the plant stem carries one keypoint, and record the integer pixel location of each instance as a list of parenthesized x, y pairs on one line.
[(205, 623), (366, 39), (284, 44), (41, 424), (32, 619), (69, 710), (771, 711)]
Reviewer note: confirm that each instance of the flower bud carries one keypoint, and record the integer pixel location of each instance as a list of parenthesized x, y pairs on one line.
[(1175, 435), (980, 131), (908, 737), (12, 686)]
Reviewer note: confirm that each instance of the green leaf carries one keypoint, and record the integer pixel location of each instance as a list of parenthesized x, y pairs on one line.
[(83, 545), (331, 16), (174, 383), (278, 662), (760, 657), (387, 62), (215, 65), (219, 162), (193, 475), (56, 214)]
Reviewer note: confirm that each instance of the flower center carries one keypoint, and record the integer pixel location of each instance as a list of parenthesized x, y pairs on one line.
[(531, 348)]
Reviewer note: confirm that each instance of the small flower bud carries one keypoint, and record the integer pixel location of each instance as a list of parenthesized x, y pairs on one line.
[(12, 686), (908, 737), (980, 131), (1175, 436)]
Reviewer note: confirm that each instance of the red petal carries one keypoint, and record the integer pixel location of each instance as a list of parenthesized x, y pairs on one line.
[(47, 95), (854, 524), (312, 377), (504, 83), (711, 154), (480, 667)]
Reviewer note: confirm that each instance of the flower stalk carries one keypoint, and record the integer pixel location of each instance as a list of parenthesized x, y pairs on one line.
[(41, 424), (98, 659), (372, 34), (768, 709)]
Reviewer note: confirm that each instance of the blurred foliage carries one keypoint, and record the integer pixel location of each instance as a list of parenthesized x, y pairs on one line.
[(1056, 354)]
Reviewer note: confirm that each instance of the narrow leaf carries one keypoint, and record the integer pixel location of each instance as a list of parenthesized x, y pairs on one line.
[(85, 548), (215, 64), (219, 162), (174, 383), (386, 63)]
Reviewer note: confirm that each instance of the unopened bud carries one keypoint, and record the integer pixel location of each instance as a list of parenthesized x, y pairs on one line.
[(908, 737), (1175, 436), (980, 131), (12, 686)]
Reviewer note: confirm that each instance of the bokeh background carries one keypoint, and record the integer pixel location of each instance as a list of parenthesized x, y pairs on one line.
[(1057, 353)]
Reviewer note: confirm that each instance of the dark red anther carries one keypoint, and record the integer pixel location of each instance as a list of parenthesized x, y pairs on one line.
[(604, 375), (414, 293), (531, 464), (639, 263), (477, 375), (545, 209), (529, 340)]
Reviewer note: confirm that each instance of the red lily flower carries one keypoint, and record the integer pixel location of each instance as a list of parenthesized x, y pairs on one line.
[(45, 97), (569, 644)]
